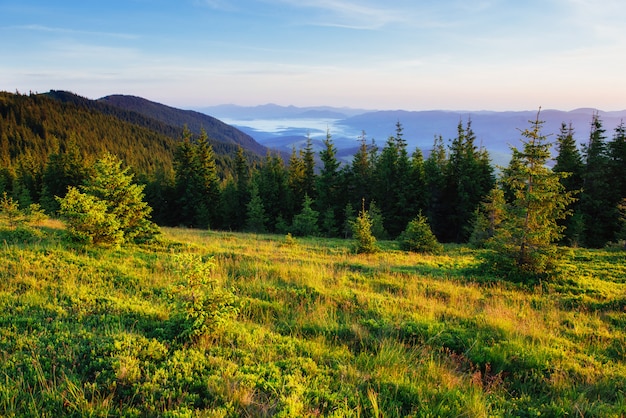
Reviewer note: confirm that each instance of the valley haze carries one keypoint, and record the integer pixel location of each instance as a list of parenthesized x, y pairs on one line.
[(284, 128)]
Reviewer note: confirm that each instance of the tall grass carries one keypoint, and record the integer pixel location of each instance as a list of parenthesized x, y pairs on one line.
[(321, 331)]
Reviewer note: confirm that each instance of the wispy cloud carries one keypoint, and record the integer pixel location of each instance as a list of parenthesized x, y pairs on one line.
[(348, 14), (51, 29)]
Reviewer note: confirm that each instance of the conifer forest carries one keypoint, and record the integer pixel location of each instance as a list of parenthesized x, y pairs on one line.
[(150, 268)]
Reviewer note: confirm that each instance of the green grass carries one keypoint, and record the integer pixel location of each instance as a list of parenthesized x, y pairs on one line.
[(320, 331)]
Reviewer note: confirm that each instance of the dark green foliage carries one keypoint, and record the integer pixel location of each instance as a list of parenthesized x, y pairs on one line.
[(598, 201), (256, 219), (63, 169), (197, 182), (365, 242), (468, 178), (329, 200), (488, 217), (349, 219), (305, 222), (524, 242), (434, 184), (418, 237), (378, 222), (272, 182), (393, 187), (569, 162), (296, 179)]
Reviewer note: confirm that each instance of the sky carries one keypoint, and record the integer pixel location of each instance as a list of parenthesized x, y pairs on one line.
[(371, 54)]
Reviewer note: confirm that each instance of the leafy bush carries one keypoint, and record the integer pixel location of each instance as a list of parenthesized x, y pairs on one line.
[(111, 209), (88, 220), (418, 237), (202, 305), (10, 212), (365, 242)]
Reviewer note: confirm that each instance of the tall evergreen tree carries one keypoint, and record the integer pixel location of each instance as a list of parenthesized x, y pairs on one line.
[(598, 204), (468, 179), (392, 183), (208, 183), (569, 161), (256, 219), (329, 201), (296, 182), (617, 153), (242, 175), (308, 161), (524, 243), (64, 168), (184, 169), (305, 222), (434, 181), (272, 181), (359, 173), (196, 181)]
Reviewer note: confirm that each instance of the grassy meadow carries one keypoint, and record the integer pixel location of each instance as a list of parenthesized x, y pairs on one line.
[(301, 327)]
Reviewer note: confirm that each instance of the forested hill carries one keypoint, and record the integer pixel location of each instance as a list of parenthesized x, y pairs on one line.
[(195, 121), (36, 125)]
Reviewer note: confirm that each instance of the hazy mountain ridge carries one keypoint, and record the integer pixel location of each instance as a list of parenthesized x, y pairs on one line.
[(495, 130)]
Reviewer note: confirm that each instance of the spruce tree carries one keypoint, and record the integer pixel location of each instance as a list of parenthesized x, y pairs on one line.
[(569, 162), (296, 183), (419, 238), (468, 179), (617, 153), (114, 185), (305, 223), (598, 200), (207, 181), (109, 208), (242, 176), (272, 182), (392, 183), (256, 218), (63, 169), (434, 182), (524, 244), (329, 197), (488, 217), (365, 242)]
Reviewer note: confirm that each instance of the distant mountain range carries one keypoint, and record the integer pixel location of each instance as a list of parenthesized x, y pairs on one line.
[(285, 127)]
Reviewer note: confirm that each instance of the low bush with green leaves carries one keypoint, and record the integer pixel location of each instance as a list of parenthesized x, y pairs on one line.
[(418, 237)]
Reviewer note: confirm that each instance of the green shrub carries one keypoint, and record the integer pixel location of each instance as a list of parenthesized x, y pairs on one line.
[(111, 209), (88, 220), (365, 242), (201, 304), (418, 237)]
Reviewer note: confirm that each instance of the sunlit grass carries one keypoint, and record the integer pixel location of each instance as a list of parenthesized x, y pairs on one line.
[(321, 331)]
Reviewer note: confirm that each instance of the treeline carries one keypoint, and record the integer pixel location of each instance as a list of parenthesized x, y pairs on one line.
[(188, 184)]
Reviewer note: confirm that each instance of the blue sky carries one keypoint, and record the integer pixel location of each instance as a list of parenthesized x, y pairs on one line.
[(398, 54)]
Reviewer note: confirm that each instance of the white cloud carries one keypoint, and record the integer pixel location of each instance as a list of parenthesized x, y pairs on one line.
[(348, 14), (50, 29)]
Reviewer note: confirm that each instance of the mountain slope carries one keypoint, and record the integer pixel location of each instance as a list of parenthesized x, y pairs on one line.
[(34, 126), (195, 121)]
